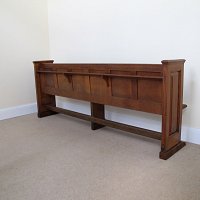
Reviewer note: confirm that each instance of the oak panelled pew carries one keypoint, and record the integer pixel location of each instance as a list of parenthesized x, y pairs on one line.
[(152, 88)]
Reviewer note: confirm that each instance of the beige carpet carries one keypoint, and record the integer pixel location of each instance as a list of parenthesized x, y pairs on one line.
[(60, 158)]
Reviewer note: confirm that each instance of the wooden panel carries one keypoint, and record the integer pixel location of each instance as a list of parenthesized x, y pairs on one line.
[(174, 103), (99, 85), (123, 87), (149, 89), (81, 83), (65, 82), (42, 98), (50, 80), (141, 105)]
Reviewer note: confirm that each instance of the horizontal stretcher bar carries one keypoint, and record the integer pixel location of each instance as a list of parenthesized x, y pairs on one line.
[(105, 122)]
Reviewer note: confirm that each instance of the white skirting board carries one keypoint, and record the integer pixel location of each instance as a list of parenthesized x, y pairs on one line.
[(190, 135), (144, 120), (17, 111)]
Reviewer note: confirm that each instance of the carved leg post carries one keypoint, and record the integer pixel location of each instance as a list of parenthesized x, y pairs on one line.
[(97, 110), (172, 108), (42, 98)]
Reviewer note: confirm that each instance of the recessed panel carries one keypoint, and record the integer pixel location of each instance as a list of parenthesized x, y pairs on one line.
[(99, 86), (174, 103), (48, 80), (65, 82), (81, 84), (149, 89), (123, 87)]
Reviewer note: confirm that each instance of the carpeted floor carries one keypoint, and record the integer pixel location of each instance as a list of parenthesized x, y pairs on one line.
[(60, 158)]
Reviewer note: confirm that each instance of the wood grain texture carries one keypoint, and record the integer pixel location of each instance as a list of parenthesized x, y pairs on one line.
[(42, 97), (152, 88), (172, 104), (97, 111)]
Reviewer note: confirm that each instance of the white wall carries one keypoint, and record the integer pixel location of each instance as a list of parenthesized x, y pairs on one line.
[(23, 38), (98, 31), (128, 31)]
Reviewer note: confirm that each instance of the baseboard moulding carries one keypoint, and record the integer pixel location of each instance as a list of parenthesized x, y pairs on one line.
[(189, 134)]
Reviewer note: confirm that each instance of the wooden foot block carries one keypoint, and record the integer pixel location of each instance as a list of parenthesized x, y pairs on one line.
[(167, 154), (46, 113), (95, 126)]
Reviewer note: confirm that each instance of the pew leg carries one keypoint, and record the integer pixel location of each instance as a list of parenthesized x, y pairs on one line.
[(165, 154), (97, 111), (43, 99), (172, 109), (46, 100)]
